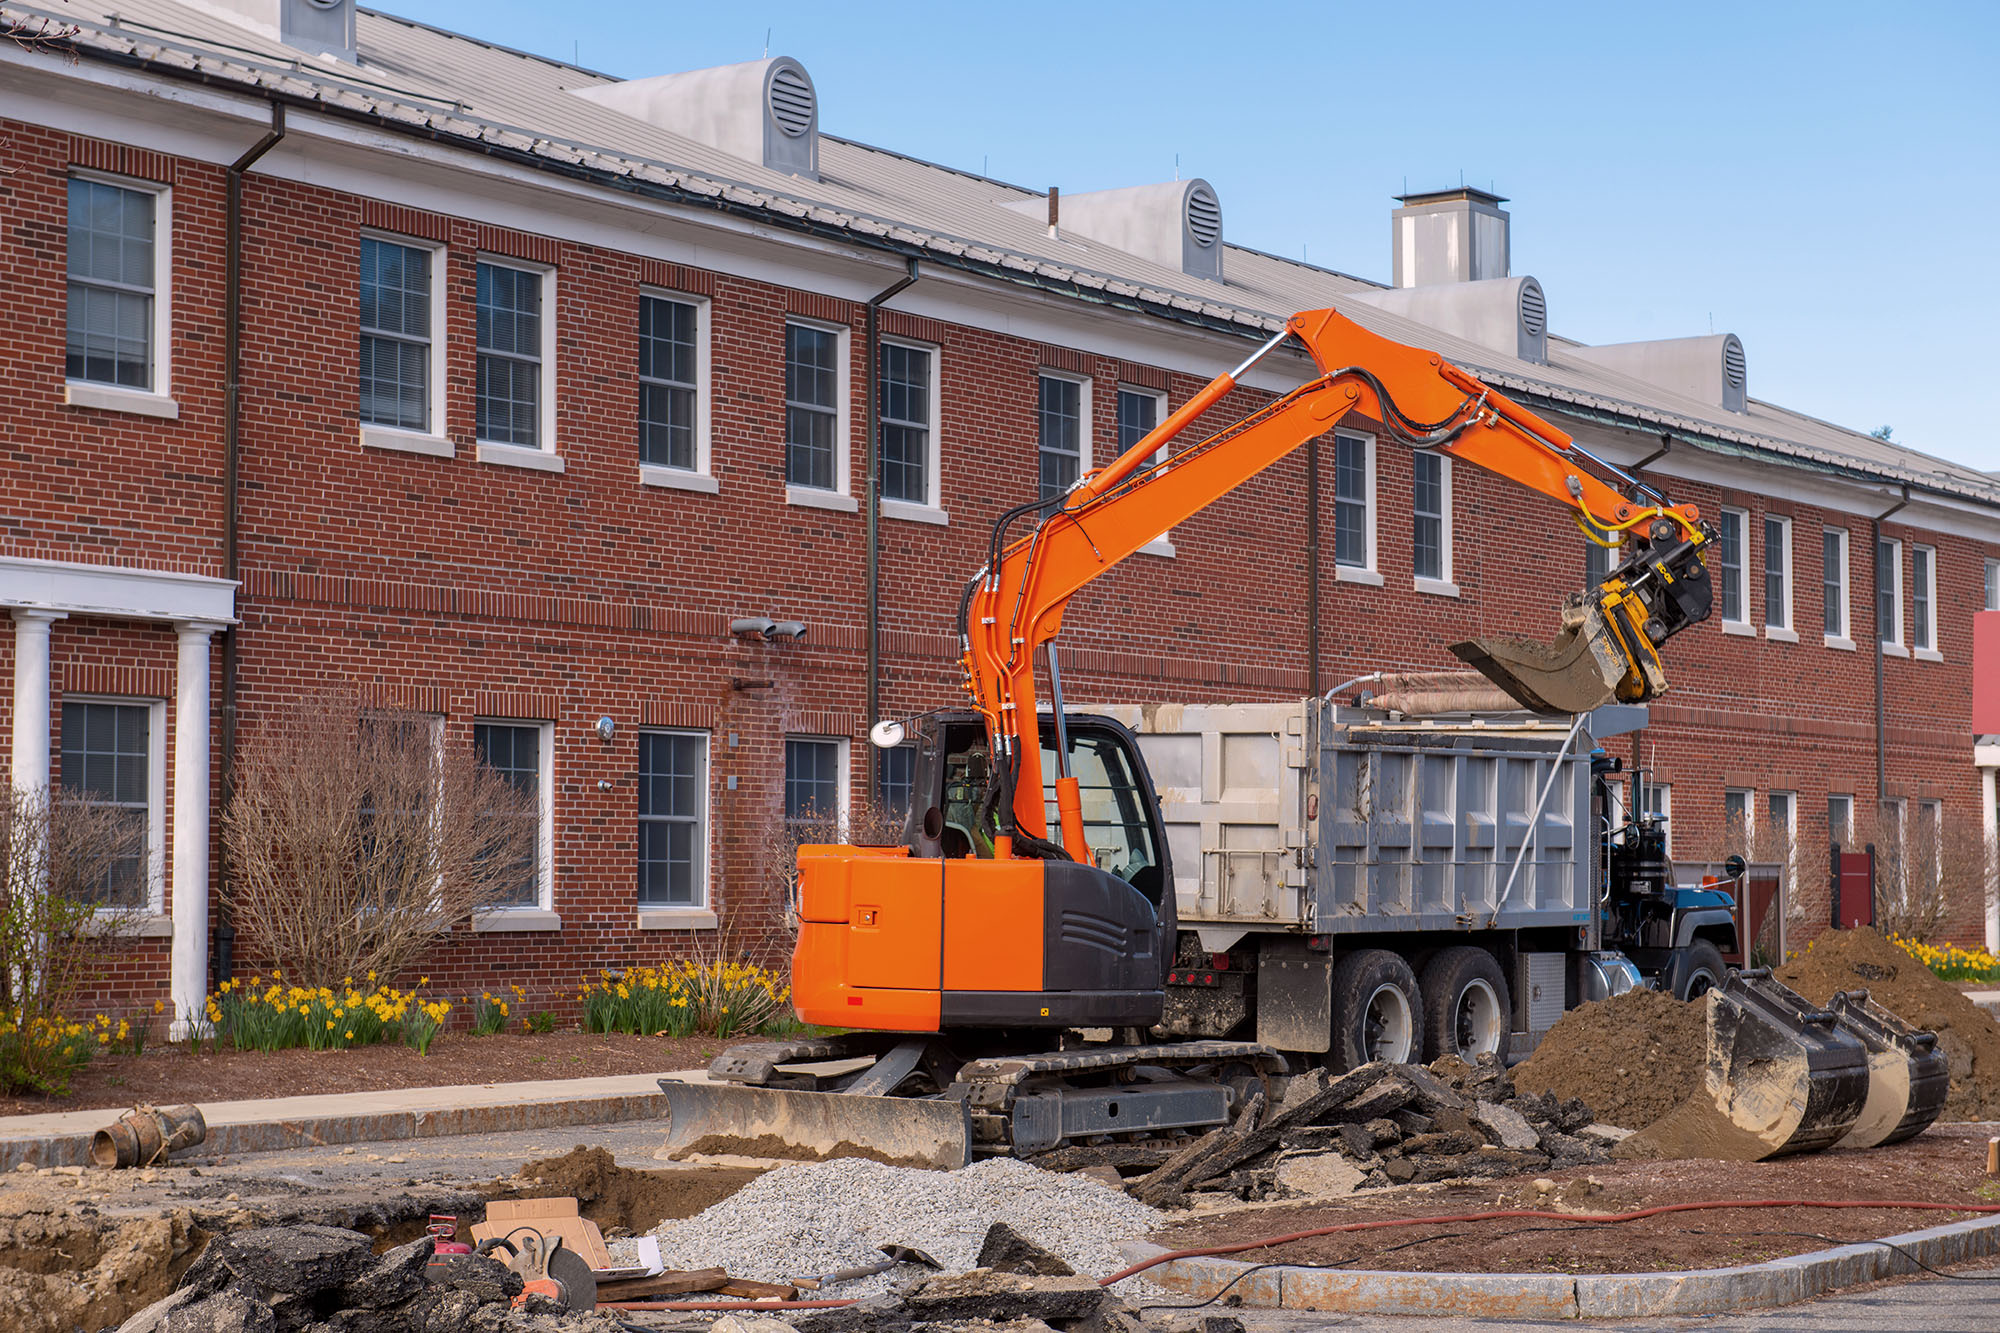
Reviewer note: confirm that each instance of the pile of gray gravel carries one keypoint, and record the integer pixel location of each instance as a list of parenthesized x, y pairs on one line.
[(811, 1218)]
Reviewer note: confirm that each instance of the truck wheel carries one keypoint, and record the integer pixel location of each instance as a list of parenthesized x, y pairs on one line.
[(1701, 971), (1376, 1008), (1467, 1010)]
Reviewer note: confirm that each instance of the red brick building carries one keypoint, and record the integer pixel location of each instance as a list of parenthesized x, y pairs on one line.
[(543, 382)]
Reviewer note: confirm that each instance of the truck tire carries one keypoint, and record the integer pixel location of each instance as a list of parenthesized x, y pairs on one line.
[(1377, 1010), (1701, 970), (1467, 1009)]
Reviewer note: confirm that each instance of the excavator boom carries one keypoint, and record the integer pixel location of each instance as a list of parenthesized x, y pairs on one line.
[(1608, 647)]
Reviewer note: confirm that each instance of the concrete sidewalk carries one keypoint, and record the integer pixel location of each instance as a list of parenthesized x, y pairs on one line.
[(273, 1123)]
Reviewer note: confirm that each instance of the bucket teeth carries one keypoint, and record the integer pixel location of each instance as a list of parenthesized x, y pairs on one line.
[(1781, 1067), (1908, 1076)]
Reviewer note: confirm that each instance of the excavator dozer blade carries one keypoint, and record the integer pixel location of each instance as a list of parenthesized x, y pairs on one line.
[(719, 1118), (1908, 1076), (1782, 1077), (1575, 673)]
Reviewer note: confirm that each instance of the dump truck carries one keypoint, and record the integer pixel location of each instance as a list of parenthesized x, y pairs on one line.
[(1016, 974)]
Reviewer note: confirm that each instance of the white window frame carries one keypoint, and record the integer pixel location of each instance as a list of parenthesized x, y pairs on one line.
[(1894, 646), (701, 477), (542, 915), (1931, 810), (1899, 809), (543, 456), (155, 907), (1926, 587), (1844, 641), (436, 441), (1369, 574), (932, 509), (1657, 800), (1446, 585), (1844, 833), (1790, 828), (1083, 420), (1741, 625), (1749, 798), (841, 497), (159, 400), (1162, 545), (844, 794), (1778, 625), (1992, 602), (698, 915)]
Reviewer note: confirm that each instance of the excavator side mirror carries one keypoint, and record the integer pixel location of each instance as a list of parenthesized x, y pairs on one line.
[(886, 734), (1734, 867)]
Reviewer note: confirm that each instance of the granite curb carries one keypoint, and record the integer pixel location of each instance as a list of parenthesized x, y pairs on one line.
[(1586, 1296)]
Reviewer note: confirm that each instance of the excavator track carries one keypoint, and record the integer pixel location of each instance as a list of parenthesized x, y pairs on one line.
[(759, 1095)]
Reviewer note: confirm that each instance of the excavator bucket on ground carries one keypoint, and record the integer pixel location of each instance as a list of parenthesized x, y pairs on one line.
[(1580, 670), (1783, 1077), (1908, 1076), (724, 1118)]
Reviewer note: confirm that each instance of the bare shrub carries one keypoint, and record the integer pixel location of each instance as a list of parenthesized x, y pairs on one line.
[(359, 838), (868, 824), (1924, 867), (59, 852)]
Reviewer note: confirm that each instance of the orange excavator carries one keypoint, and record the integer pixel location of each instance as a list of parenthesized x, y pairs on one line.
[(998, 978)]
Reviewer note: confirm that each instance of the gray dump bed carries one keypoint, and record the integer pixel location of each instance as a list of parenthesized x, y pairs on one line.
[(1310, 817)]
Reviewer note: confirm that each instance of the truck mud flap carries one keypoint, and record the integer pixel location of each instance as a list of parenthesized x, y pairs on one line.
[(720, 1118), (1908, 1076)]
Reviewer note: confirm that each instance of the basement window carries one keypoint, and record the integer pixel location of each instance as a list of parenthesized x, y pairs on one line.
[(673, 404)]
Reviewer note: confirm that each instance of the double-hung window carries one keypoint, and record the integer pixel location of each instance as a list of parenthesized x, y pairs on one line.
[(1778, 578), (116, 326), (1840, 818), (1353, 506), (516, 347), (1732, 559), (519, 753), (1923, 600), (1833, 586), (1993, 585), (1597, 563), (397, 366), (814, 367), (670, 384), (1783, 809), (1139, 412), (113, 758), (1065, 410), (1430, 529), (1889, 596), (895, 779), (1657, 802), (1738, 814), (673, 817), (907, 441), (813, 779)]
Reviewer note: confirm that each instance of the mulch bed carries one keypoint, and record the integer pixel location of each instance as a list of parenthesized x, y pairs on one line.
[(1947, 1164), (168, 1076)]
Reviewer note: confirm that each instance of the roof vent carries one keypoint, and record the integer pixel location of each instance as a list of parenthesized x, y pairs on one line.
[(1449, 236), (1710, 369), (1507, 315), (762, 111), (314, 27), (1176, 223)]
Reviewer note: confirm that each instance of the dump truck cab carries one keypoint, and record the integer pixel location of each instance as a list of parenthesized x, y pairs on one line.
[(1675, 934)]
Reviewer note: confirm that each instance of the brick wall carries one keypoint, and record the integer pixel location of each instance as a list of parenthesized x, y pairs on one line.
[(470, 589)]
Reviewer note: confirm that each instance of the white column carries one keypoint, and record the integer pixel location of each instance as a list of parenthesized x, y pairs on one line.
[(1989, 820), (31, 696), (190, 905)]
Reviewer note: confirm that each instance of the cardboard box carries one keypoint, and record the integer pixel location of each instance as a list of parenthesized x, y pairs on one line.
[(551, 1217)]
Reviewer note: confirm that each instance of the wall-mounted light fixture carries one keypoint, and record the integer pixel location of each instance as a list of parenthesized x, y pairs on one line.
[(605, 728)]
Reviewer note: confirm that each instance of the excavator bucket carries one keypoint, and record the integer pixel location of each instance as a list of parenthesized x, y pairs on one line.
[(731, 1118), (1578, 671), (1782, 1077), (1908, 1076)]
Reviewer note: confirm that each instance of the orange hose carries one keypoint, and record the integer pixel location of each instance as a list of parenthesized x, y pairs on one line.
[(1496, 1215), (722, 1305)]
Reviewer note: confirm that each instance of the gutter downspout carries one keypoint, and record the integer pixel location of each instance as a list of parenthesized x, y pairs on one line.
[(872, 506), (1312, 566), (1881, 707), (222, 958)]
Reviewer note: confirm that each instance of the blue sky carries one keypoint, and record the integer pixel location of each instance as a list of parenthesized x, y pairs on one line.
[(1822, 180)]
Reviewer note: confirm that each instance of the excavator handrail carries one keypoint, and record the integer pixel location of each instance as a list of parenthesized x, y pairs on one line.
[(1014, 605)]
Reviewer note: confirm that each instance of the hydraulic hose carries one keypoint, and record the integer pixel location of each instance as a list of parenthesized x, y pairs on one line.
[(1505, 1213)]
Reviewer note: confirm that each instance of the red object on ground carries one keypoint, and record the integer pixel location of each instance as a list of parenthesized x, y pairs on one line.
[(1986, 673)]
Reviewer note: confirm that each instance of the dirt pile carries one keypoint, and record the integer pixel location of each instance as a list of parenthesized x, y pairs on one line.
[(1861, 959), (1632, 1058), (62, 1268), (615, 1196)]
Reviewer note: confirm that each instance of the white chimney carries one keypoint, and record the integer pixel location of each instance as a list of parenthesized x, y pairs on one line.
[(312, 27), (1449, 236), (761, 111)]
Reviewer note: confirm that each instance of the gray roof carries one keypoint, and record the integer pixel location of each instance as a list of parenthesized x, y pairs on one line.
[(522, 106)]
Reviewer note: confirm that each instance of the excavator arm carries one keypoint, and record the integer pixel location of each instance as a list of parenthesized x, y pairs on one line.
[(1608, 647)]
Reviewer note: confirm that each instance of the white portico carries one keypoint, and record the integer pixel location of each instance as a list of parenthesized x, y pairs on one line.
[(39, 594)]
